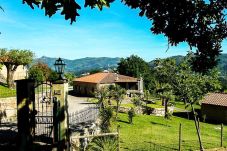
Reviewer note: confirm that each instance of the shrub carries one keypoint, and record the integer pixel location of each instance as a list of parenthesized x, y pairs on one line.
[(131, 114)]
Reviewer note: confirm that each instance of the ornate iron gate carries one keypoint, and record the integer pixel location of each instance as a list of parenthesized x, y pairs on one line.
[(43, 113)]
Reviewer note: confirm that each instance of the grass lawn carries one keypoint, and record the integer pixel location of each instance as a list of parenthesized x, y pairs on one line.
[(156, 133), (6, 92), (181, 105)]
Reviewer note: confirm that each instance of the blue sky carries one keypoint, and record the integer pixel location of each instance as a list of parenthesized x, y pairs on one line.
[(117, 31)]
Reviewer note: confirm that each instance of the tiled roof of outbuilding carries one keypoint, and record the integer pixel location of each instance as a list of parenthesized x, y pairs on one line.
[(219, 99), (105, 78)]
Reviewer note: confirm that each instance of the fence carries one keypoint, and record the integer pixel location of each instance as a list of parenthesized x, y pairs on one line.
[(182, 137), (89, 114)]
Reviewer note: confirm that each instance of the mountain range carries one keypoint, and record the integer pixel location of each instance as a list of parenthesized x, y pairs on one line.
[(87, 64), (82, 65)]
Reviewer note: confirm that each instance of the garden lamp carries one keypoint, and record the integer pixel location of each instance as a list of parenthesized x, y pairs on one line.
[(60, 67)]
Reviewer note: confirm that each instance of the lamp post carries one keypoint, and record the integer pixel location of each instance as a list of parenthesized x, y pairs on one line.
[(59, 68), (60, 92)]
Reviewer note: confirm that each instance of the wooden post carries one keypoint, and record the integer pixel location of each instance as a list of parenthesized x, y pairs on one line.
[(199, 124), (197, 128), (118, 138), (221, 135), (180, 129)]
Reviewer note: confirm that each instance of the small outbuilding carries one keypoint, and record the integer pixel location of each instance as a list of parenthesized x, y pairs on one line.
[(214, 107), (86, 85)]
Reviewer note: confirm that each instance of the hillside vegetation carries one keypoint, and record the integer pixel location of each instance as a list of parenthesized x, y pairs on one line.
[(82, 65)]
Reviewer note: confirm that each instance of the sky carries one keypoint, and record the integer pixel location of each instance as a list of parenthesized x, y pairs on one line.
[(117, 31)]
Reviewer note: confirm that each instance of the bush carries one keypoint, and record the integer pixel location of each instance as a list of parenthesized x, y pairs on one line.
[(131, 114), (107, 143), (106, 115)]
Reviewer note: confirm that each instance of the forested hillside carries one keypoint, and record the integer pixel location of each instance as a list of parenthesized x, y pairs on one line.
[(82, 65)]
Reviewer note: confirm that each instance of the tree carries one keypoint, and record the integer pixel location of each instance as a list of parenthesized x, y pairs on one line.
[(36, 74), (165, 92), (136, 67), (102, 94), (200, 23), (12, 59), (39, 72), (131, 114), (191, 87), (106, 115), (70, 76), (95, 71), (165, 72), (118, 94), (54, 76)]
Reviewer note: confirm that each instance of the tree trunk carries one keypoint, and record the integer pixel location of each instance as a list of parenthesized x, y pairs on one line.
[(163, 102), (166, 108), (197, 129), (117, 111), (10, 73)]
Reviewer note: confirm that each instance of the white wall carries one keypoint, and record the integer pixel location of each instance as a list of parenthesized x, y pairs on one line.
[(20, 73)]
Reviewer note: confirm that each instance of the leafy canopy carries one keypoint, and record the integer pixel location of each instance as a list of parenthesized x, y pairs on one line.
[(12, 59), (186, 85), (136, 67), (200, 23), (39, 72), (16, 56)]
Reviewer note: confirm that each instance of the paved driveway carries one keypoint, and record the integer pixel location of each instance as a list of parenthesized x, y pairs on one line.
[(77, 103)]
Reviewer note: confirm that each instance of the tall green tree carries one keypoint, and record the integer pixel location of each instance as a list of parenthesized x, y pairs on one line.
[(165, 70), (136, 67), (191, 87), (165, 92), (200, 23), (12, 59)]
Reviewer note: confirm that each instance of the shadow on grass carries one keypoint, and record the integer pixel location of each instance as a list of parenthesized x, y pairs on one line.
[(161, 124), (121, 121), (151, 146), (88, 103), (3, 84)]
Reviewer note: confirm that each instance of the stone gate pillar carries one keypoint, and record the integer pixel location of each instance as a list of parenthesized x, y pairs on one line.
[(60, 92), (25, 101)]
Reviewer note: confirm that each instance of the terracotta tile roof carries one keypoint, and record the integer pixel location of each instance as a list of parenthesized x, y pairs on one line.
[(123, 78), (219, 99), (105, 78), (93, 78)]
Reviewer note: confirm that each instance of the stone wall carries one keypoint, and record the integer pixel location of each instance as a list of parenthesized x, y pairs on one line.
[(9, 105), (155, 111)]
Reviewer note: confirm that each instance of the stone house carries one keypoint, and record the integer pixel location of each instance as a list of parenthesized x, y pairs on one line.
[(86, 85), (214, 107)]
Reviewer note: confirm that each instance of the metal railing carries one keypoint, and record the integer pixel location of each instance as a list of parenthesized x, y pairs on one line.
[(89, 114)]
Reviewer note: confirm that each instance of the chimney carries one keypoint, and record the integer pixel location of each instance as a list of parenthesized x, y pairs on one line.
[(117, 77)]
